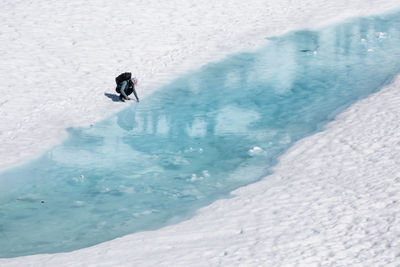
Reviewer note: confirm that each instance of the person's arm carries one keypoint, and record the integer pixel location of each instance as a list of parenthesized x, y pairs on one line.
[(134, 92), (123, 86)]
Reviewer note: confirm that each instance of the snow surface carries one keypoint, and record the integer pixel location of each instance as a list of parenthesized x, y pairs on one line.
[(333, 198)]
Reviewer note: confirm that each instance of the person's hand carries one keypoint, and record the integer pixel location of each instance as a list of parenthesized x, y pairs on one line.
[(127, 98), (137, 100)]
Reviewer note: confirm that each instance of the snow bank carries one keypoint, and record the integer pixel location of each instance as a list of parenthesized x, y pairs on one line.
[(333, 198)]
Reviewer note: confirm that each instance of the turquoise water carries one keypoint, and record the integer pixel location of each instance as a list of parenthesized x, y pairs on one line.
[(193, 140)]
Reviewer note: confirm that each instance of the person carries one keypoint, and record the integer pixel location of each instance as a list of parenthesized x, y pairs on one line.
[(126, 86)]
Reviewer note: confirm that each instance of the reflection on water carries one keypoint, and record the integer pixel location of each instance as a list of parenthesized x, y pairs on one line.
[(194, 140)]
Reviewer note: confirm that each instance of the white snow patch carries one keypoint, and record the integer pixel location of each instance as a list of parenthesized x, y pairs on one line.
[(334, 197)]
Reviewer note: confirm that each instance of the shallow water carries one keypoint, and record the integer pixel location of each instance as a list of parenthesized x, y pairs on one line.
[(194, 140)]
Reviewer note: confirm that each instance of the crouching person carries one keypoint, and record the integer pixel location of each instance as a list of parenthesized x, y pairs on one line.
[(126, 86)]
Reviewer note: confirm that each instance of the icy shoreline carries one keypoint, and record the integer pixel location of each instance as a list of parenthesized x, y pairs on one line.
[(333, 198)]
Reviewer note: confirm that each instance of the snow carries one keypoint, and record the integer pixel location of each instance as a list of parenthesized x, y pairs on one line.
[(333, 199)]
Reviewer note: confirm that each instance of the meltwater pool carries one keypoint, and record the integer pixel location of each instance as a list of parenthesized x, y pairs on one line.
[(193, 140)]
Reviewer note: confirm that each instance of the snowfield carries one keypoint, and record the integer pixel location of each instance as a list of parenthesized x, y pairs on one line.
[(333, 198)]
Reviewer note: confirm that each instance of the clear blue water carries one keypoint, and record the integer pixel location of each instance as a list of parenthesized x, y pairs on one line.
[(190, 142)]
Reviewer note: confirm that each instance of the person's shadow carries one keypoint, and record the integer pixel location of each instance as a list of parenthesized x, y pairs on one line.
[(113, 97)]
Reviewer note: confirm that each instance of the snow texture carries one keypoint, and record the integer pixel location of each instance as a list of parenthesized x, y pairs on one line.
[(333, 198)]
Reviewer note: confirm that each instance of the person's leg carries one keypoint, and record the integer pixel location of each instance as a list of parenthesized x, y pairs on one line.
[(123, 87)]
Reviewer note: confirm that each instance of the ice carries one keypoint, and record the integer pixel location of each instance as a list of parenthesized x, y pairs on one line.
[(255, 151)]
